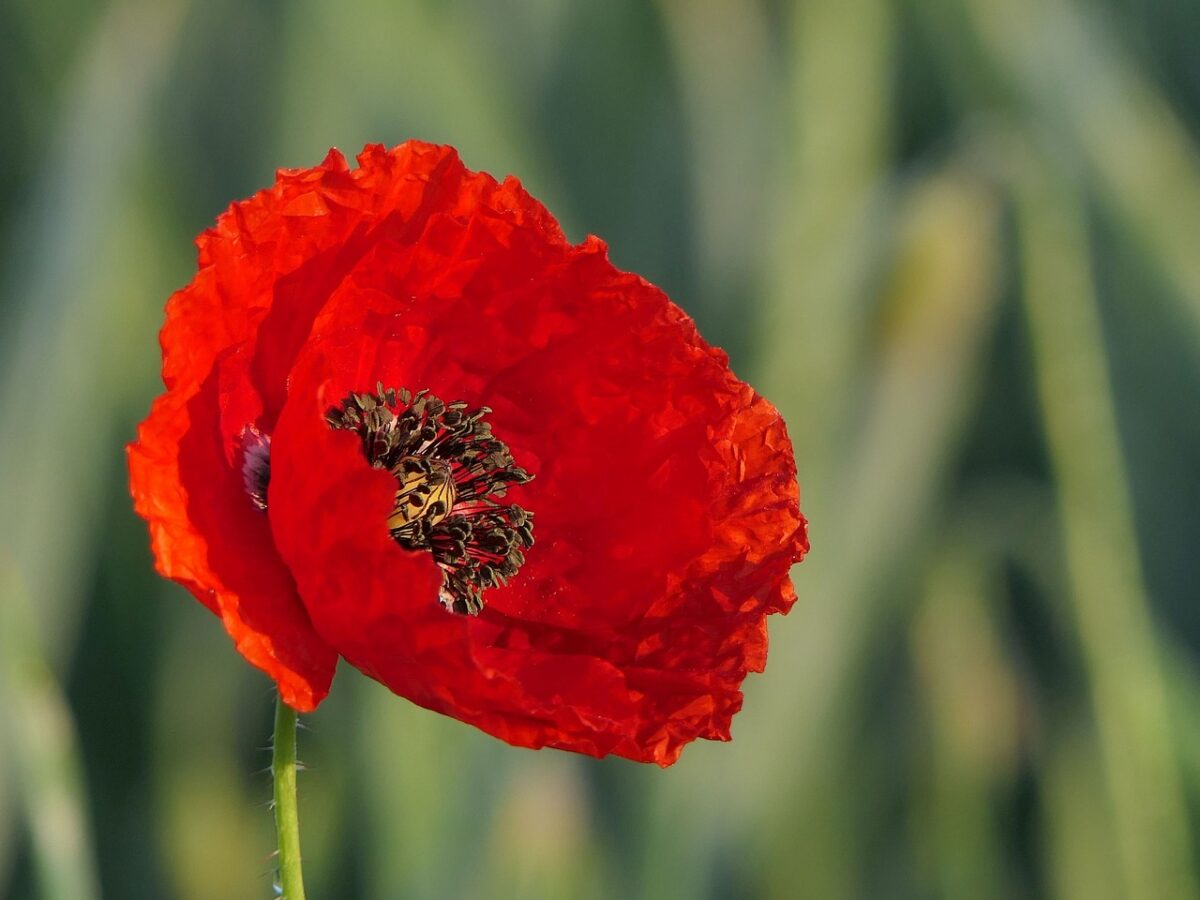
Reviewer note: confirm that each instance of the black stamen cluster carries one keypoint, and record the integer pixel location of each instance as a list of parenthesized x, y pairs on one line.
[(479, 544)]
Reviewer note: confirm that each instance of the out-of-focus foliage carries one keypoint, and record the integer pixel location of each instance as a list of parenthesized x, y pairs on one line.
[(956, 241)]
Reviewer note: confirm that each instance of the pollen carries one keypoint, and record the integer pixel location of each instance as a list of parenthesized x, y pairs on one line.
[(450, 472)]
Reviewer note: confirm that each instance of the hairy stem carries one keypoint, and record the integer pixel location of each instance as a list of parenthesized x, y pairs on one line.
[(287, 818)]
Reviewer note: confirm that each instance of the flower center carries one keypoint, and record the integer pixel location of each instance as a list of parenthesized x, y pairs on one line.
[(450, 470), (426, 492)]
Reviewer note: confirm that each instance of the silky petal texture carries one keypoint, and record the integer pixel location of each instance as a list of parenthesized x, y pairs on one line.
[(666, 503)]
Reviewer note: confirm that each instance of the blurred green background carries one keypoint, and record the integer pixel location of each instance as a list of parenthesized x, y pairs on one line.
[(956, 241)]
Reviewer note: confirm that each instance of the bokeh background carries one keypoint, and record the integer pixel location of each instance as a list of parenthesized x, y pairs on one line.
[(956, 241)]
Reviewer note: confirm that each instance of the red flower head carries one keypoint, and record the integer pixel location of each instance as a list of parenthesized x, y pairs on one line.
[(407, 423)]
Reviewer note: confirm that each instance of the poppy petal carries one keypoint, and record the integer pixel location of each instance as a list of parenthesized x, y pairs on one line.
[(665, 503)]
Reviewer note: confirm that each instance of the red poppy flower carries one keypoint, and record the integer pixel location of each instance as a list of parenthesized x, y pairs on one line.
[(408, 424)]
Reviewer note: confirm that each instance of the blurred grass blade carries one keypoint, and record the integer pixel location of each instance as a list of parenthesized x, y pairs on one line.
[(8, 815), (1070, 71), (40, 735), (829, 187), (827, 246), (540, 845), (59, 342), (1103, 565), (55, 425), (411, 806), (722, 52), (1079, 849), (972, 697), (215, 839), (938, 308), (940, 302), (454, 95)]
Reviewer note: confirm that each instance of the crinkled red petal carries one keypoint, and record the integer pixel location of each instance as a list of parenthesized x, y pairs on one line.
[(266, 268), (666, 505), (666, 509)]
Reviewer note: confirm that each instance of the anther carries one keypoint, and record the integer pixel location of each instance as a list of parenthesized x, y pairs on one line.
[(450, 470)]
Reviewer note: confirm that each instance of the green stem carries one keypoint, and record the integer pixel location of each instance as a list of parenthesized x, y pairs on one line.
[(287, 817)]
